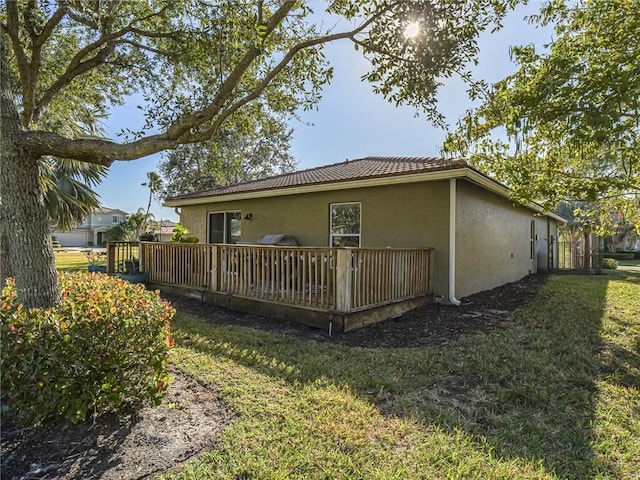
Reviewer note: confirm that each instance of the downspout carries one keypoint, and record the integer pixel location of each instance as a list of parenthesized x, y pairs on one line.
[(452, 243)]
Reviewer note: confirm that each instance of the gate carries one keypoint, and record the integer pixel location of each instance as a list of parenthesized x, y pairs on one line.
[(581, 254)]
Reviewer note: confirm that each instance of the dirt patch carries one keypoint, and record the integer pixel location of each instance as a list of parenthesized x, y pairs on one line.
[(428, 325), (137, 444), (125, 446)]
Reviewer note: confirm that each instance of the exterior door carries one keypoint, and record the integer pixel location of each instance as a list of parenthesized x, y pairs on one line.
[(224, 227)]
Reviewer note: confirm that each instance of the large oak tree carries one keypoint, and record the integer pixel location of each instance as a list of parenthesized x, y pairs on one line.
[(197, 63)]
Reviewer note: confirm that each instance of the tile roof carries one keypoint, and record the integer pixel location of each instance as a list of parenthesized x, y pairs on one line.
[(350, 170), (102, 210)]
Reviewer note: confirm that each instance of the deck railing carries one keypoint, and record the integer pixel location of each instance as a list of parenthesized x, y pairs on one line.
[(300, 276), (331, 279), (123, 257), (184, 264), (381, 276)]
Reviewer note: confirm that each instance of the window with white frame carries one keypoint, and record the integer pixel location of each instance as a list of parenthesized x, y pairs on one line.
[(345, 224), (116, 219), (224, 227)]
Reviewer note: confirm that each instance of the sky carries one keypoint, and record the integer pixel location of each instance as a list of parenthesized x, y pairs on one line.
[(350, 121)]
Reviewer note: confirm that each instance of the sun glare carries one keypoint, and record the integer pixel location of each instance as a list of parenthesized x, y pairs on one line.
[(412, 30)]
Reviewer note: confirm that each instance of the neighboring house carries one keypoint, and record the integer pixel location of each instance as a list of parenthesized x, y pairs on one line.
[(481, 239), (163, 230), (91, 231)]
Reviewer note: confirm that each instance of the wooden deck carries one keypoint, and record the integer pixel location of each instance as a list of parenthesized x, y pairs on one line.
[(339, 287)]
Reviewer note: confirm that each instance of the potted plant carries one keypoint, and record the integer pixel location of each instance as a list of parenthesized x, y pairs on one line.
[(129, 270), (97, 261)]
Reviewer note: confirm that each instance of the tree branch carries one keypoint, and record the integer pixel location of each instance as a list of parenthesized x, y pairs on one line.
[(207, 133), (77, 67), (104, 152), (189, 121), (145, 33), (91, 23), (68, 77), (96, 151), (53, 22), (24, 67), (141, 46), (28, 20)]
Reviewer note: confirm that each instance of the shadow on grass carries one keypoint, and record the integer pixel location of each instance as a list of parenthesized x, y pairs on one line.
[(80, 268), (529, 391)]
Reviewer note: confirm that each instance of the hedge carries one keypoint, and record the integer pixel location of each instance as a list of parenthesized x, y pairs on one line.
[(103, 347), (619, 255)]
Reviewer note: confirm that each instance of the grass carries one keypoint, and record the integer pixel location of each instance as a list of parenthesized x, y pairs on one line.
[(555, 394), (630, 263), (70, 261)]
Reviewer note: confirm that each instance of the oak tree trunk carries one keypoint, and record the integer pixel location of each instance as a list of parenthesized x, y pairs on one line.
[(26, 251)]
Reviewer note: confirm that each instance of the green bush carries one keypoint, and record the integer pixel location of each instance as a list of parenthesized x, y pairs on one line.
[(179, 233), (610, 263), (190, 240), (105, 346)]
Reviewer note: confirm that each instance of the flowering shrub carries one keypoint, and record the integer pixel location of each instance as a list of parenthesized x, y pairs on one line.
[(104, 346)]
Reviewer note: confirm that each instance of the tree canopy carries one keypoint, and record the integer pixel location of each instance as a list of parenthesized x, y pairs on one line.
[(238, 153), (566, 124), (197, 63)]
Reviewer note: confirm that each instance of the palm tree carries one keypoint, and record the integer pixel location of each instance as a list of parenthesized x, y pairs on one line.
[(154, 184), (68, 183), (137, 221), (68, 189)]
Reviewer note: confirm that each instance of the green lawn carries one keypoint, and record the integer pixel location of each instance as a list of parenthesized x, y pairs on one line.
[(67, 261), (630, 263), (555, 394), (71, 261)]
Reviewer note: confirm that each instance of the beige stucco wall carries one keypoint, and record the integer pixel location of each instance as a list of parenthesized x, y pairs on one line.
[(405, 215), (492, 240)]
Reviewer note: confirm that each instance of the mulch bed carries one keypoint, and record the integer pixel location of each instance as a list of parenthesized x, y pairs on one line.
[(129, 445), (137, 444), (427, 325)]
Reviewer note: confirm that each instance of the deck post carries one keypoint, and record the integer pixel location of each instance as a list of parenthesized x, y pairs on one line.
[(111, 261), (215, 270), (343, 279), (431, 254), (141, 252)]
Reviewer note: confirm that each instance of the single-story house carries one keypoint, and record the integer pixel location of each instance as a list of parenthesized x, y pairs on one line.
[(480, 238), (163, 230), (90, 232)]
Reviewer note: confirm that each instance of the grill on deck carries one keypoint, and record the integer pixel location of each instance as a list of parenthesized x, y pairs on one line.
[(277, 239)]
